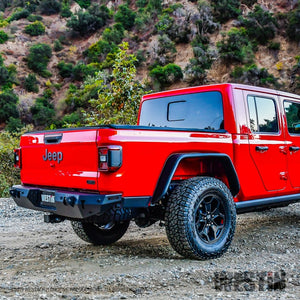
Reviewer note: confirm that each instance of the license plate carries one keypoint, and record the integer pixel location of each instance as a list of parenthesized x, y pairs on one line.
[(48, 197)]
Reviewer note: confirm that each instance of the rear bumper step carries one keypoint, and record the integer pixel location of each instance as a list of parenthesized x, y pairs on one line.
[(63, 203)]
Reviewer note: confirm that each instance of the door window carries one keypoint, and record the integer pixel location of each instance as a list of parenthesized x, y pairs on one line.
[(292, 113), (262, 113)]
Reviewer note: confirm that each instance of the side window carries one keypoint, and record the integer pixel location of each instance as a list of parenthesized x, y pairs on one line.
[(262, 114), (292, 113)]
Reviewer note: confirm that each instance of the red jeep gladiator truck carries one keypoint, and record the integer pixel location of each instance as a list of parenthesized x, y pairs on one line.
[(196, 158)]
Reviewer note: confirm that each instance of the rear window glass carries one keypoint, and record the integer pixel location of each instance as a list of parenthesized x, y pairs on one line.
[(198, 111)]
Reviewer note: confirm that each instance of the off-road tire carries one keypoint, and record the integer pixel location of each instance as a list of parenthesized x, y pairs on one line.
[(190, 226), (97, 234)]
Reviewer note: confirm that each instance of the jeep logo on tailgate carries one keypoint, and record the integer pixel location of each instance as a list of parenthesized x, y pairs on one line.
[(58, 156)]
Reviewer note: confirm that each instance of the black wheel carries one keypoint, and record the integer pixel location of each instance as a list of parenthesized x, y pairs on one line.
[(200, 218), (100, 234)]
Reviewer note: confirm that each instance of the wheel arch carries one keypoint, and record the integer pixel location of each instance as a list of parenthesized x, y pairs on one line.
[(173, 162)]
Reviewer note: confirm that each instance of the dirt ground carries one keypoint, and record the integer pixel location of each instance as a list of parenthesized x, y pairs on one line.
[(44, 261)]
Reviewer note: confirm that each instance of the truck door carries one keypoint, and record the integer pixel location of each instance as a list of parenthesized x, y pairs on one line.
[(292, 114), (266, 141)]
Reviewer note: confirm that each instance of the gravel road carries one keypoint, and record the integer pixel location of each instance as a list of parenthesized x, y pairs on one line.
[(44, 261)]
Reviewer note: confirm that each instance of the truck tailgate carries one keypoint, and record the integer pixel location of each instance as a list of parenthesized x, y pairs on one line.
[(62, 159)]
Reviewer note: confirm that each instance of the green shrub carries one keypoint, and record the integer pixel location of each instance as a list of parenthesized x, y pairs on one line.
[(166, 75), (39, 57), (83, 3), (33, 18), (65, 69), (206, 23), (235, 46), (117, 101), (7, 76), (8, 106), (154, 5), (196, 70), (114, 35), (225, 10), (14, 125), (85, 22), (293, 28), (4, 4), (249, 3), (97, 52), (125, 16), (3, 37), (50, 7), (30, 83), (34, 29), (254, 76), (65, 10), (260, 25), (8, 174), (57, 46), (274, 46), (19, 14), (43, 111)]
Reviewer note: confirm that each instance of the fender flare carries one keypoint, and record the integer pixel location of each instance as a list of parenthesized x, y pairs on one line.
[(172, 163)]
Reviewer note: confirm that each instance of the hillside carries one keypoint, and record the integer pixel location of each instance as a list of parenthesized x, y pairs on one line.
[(176, 43)]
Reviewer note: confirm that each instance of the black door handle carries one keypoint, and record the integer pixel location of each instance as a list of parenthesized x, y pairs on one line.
[(294, 148), (261, 148)]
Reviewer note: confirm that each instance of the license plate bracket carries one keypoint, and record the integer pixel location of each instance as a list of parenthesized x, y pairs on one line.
[(48, 197)]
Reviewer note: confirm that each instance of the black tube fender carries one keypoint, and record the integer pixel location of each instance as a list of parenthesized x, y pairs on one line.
[(173, 161)]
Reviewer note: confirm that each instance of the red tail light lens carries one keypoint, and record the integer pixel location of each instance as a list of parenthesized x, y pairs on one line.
[(17, 158), (110, 158)]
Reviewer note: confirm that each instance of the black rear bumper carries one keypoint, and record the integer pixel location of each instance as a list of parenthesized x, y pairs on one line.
[(74, 205)]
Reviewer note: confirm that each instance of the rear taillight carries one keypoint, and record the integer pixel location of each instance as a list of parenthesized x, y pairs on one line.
[(110, 158), (17, 158)]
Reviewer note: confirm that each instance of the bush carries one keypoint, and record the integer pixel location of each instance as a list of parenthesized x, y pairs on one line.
[(196, 69), (249, 3), (260, 25), (57, 46), (235, 46), (117, 102), (114, 35), (205, 23), (293, 28), (125, 16), (30, 83), (43, 111), (8, 174), (83, 3), (274, 46), (14, 125), (3, 37), (39, 57), (254, 76), (65, 69), (4, 4), (166, 75), (65, 10), (8, 106), (97, 52), (19, 14), (50, 7), (33, 18), (7, 76), (84, 22), (225, 10), (34, 29)]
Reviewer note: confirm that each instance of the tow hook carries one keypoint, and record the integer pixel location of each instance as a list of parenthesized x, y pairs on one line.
[(52, 218)]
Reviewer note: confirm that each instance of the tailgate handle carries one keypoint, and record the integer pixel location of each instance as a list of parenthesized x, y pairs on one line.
[(53, 139)]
